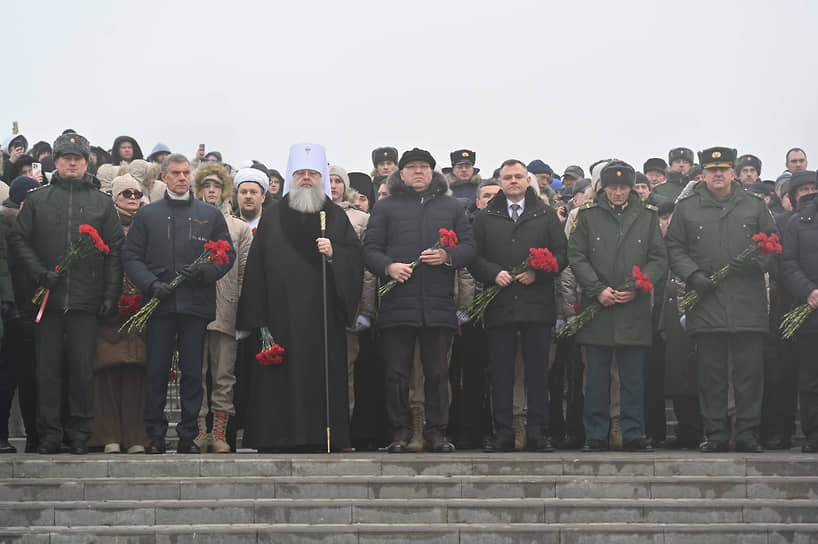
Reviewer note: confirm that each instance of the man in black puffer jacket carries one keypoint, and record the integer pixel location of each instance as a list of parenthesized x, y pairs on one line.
[(402, 226), (65, 337), (800, 271), (515, 221), (165, 237)]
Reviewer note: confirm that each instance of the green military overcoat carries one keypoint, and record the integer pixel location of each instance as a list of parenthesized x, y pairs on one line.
[(602, 252), (704, 234)]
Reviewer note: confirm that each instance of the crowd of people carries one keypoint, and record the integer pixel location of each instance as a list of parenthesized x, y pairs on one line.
[(343, 314)]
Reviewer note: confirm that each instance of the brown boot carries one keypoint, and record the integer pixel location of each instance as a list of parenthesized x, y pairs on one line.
[(201, 438), (219, 444), (416, 444), (518, 428)]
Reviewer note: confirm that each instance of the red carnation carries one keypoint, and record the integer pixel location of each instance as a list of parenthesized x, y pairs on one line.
[(642, 280), (272, 356), (218, 251), (542, 259), (447, 237), (92, 232)]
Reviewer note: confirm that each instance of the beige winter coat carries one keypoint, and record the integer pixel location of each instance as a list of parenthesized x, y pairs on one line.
[(146, 173), (228, 288)]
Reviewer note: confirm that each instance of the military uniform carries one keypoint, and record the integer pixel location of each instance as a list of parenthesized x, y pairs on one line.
[(606, 244), (706, 233), (65, 337)]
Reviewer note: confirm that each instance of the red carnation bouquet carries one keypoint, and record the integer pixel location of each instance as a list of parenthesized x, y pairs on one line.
[(79, 249), (271, 353), (130, 304), (538, 259), (214, 252), (447, 238), (762, 245), (638, 281)]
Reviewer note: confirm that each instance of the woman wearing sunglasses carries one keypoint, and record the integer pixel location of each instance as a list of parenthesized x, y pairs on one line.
[(119, 367)]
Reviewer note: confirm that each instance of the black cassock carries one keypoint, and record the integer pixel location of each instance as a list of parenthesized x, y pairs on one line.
[(286, 407)]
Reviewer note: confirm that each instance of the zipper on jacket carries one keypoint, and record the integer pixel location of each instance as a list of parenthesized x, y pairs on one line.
[(68, 242)]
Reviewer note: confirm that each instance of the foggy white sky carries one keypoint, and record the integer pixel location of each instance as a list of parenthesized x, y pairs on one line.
[(566, 82)]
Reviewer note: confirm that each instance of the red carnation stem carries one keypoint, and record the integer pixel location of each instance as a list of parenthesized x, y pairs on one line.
[(214, 252)]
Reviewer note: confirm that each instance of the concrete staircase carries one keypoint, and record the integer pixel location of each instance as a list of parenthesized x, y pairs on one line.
[(667, 497)]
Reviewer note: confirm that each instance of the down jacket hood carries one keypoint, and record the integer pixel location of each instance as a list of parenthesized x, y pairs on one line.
[(397, 188), (209, 170), (137, 151), (7, 143), (143, 171)]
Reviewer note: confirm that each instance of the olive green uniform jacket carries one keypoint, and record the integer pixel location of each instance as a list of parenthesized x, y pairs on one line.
[(602, 252), (704, 234)]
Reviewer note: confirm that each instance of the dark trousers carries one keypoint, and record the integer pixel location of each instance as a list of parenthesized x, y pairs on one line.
[(655, 422), (368, 427), (630, 361), (17, 362), (808, 384), (688, 418), (780, 401), (470, 418), (399, 346), (566, 398), (745, 349), (535, 338), (65, 344), (163, 333)]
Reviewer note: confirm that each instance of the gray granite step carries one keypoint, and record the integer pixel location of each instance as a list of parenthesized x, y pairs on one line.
[(607, 533), (355, 511), (410, 487)]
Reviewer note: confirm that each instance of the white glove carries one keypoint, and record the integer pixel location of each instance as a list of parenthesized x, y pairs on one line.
[(362, 323), (559, 325), (683, 322), (462, 317), (241, 335), (573, 317)]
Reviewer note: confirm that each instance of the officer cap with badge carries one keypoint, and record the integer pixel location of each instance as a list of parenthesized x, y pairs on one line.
[(748, 160), (464, 156), (683, 153), (617, 172), (717, 157), (72, 144), (382, 154)]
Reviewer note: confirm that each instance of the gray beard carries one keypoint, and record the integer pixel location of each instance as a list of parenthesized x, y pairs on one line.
[(307, 200)]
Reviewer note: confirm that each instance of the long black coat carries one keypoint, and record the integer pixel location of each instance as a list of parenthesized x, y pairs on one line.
[(401, 226), (800, 256), (503, 244), (282, 291)]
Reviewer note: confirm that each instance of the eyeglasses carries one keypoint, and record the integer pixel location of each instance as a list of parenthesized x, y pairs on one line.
[(127, 193)]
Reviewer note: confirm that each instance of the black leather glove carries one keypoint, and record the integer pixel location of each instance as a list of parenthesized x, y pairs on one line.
[(700, 282), (50, 278), (744, 268), (193, 274), (9, 311), (161, 290), (108, 308)]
